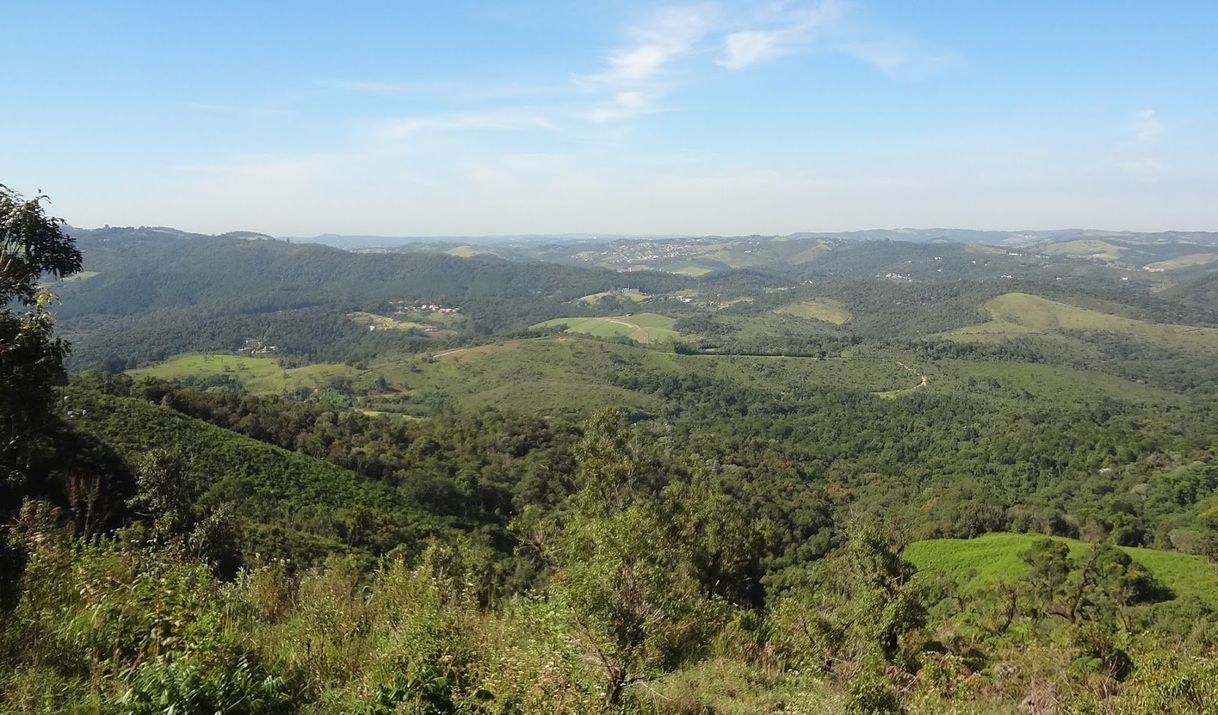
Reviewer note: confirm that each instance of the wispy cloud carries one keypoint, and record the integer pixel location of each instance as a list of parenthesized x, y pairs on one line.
[(653, 43), (630, 81), (464, 89), (785, 31), (743, 49), (398, 128), (1146, 126), (236, 110), (277, 168), (661, 49), (1141, 160), (624, 105), (376, 87), (830, 26), (900, 56), (1147, 170)]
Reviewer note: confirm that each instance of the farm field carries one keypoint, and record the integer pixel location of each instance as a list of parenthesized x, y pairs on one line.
[(976, 562), (262, 375), (823, 309), (383, 322), (1090, 247), (465, 251), (687, 269), (646, 328)]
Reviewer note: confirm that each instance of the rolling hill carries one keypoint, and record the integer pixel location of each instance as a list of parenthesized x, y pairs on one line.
[(976, 562)]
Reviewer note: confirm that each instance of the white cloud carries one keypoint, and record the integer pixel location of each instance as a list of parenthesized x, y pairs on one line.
[(1147, 170), (624, 105), (632, 76), (789, 30), (639, 62), (1146, 126), (664, 36), (742, 49), (1140, 150), (235, 110), (376, 87), (897, 56), (833, 26), (399, 128)]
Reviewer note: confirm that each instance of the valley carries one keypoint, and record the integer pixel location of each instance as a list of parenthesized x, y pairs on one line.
[(944, 406)]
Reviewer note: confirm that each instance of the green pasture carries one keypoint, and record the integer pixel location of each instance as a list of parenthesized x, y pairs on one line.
[(646, 328), (976, 562), (824, 309)]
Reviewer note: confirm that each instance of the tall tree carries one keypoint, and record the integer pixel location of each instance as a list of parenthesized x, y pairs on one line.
[(32, 245), (624, 581), (857, 604)]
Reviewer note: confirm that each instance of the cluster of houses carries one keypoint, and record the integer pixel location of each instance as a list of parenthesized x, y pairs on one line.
[(401, 306), (256, 346), (437, 308), (633, 252)]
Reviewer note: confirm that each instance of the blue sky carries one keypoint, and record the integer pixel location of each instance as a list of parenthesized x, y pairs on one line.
[(460, 118)]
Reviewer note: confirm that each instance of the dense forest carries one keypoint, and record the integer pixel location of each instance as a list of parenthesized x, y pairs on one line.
[(371, 485)]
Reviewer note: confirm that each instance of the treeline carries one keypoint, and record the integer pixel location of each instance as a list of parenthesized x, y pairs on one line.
[(647, 600)]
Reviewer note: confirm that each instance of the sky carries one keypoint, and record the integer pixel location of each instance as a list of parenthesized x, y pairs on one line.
[(495, 118)]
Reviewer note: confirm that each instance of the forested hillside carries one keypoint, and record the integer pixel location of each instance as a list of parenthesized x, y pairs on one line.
[(146, 297), (290, 478)]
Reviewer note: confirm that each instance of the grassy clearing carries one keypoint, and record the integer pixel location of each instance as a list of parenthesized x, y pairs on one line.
[(1016, 314), (559, 375), (824, 309), (383, 322), (729, 687), (810, 254), (975, 562), (1024, 382), (687, 269), (1192, 259), (630, 294), (1090, 247), (262, 375), (646, 328)]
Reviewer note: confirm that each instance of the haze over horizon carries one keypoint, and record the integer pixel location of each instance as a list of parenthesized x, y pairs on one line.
[(636, 118)]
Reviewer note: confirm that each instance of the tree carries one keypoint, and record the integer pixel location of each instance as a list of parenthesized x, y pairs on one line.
[(613, 470), (169, 499), (625, 583), (1097, 588), (32, 244), (857, 605), (1208, 523), (632, 600), (31, 358), (1048, 563)]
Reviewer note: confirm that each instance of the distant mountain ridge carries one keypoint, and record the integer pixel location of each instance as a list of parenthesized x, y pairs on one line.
[(913, 235)]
